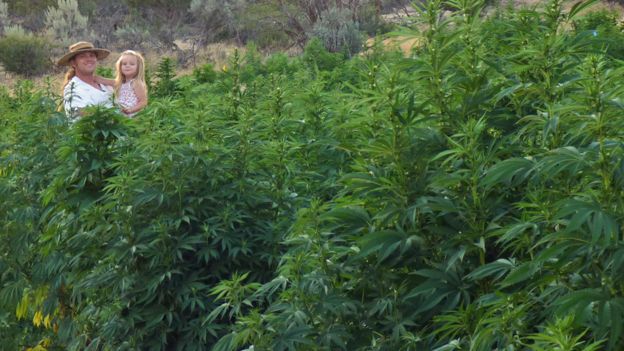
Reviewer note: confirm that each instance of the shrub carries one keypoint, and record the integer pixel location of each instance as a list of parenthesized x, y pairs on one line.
[(252, 63), (604, 26), (29, 11), (24, 53), (338, 31), (24, 8), (279, 63), (205, 73), (315, 54), (132, 36), (370, 22), (4, 16), (65, 22), (218, 18), (261, 23), (596, 20)]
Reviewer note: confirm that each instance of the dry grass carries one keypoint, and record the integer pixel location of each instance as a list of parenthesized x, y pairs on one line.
[(9, 80), (402, 43)]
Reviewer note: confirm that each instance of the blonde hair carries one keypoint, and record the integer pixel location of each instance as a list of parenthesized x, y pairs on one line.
[(140, 76), (71, 73)]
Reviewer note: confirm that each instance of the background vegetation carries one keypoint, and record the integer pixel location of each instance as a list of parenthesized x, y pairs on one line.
[(468, 197), (185, 27)]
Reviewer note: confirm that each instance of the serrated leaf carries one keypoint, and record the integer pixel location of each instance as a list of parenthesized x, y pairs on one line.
[(520, 273), (511, 172)]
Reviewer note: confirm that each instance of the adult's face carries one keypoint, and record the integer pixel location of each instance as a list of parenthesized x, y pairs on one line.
[(85, 63)]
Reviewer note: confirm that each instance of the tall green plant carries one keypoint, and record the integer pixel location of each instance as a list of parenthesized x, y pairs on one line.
[(165, 74)]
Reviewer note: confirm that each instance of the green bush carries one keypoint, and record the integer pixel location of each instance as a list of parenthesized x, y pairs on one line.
[(280, 63), (369, 21), (596, 20), (205, 73), (106, 72), (24, 53), (27, 10), (251, 64), (316, 55), (26, 7), (603, 25), (165, 74), (260, 23)]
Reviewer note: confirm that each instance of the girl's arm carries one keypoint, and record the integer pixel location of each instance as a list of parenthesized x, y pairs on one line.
[(141, 93), (105, 81)]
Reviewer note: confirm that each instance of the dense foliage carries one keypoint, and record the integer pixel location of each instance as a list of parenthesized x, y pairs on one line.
[(466, 198), (23, 53)]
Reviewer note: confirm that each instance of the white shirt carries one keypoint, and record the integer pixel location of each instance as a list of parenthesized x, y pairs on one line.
[(78, 94)]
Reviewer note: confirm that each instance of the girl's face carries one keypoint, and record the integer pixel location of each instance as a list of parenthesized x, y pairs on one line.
[(129, 66)]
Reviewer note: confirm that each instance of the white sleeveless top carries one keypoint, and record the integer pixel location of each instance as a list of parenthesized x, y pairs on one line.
[(127, 98)]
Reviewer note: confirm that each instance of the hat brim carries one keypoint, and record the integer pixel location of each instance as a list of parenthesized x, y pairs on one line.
[(99, 53)]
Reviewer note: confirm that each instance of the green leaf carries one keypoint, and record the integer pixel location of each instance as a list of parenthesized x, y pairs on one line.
[(354, 217), (567, 159), (496, 269), (226, 343), (580, 6), (520, 273), (579, 303), (384, 243), (512, 233), (601, 225), (511, 172), (508, 91)]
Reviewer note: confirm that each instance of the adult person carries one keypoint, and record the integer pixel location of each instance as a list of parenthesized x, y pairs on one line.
[(81, 88)]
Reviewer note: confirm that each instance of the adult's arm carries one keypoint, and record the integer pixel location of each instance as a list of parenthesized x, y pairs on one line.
[(105, 81)]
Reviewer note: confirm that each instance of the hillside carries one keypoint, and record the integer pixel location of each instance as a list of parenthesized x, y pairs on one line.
[(197, 32)]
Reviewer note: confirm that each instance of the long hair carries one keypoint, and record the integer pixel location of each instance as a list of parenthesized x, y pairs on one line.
[(140, 76), (71, 73)]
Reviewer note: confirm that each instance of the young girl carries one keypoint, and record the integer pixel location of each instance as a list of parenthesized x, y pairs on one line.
[(130, 87), (129, 83)]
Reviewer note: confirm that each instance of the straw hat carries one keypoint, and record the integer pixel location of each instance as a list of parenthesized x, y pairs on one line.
[(82, 46)]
